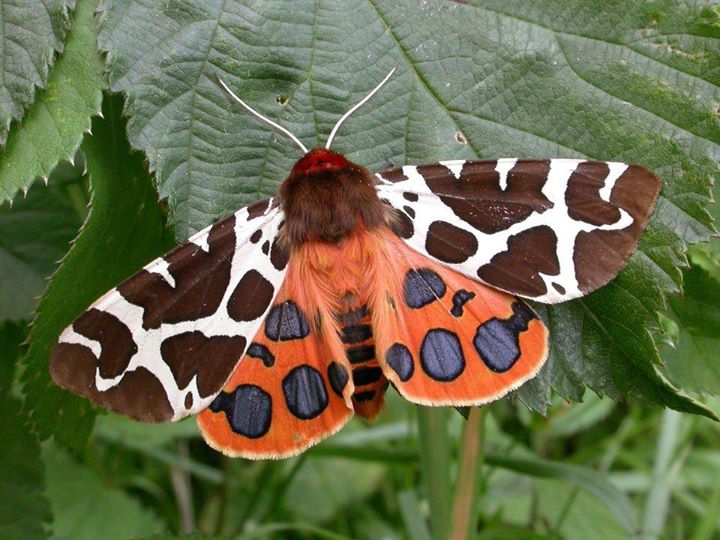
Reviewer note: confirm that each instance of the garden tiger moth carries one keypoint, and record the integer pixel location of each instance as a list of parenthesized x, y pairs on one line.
[(280, 322)]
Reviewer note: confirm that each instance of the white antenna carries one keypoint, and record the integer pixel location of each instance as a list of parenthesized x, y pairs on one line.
[(356, 107), (261, 117)]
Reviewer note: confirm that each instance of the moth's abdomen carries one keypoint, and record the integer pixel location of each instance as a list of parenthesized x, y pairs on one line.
[(367, 375)]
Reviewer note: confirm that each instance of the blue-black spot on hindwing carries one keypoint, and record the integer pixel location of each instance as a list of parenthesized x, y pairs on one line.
[(400, 360), (422, 287), (305, 393), (261, 352), (497, 341), (286, 321), (338, 377), (460, 298), (248, 409), (441, 355)]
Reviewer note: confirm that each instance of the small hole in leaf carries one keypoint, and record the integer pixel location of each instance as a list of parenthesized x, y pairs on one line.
[(460, 137), (282, 99)]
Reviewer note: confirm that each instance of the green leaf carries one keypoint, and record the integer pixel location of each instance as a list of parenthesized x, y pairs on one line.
[(123, 231), (86, 508), (24, 509), (53, 127), (31, 34), (498, 78), (11, 336), (694, 362), (37, 231)]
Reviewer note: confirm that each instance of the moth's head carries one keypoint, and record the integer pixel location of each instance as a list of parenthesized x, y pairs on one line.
[(319, 160)]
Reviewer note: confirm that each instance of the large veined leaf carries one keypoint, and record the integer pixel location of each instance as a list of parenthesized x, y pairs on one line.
[(611, 80), (123, 231), (53, 127), (30, 34)]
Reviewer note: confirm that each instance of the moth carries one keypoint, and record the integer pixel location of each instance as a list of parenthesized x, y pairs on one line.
[(278, 323)]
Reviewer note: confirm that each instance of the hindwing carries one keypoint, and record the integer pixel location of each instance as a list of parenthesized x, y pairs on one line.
[(162, 344), (549, 230), (444, 339), (288, 392)]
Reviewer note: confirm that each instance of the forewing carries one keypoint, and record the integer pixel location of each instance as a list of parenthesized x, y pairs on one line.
[(549, 230), (161, 345), (286, 394), (444, 339)]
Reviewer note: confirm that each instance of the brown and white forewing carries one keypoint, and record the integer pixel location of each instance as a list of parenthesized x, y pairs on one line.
[(549, 230), (162, 344)]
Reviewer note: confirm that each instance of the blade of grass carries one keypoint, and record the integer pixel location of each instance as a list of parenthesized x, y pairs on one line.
[(415, 525), (706, 528), (313, 530), (658, 498), (588, 479), (435, 466)]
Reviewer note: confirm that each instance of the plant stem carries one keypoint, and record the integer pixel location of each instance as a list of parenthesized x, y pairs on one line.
[(435, 466), (465, 507)]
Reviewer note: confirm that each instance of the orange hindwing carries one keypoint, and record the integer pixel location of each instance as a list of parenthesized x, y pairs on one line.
[(444, 339)]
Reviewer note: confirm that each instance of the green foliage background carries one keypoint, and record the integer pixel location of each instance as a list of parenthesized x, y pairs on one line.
[(115, 104)]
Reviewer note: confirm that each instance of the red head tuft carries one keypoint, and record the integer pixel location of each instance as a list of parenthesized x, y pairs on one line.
[(319, 159)]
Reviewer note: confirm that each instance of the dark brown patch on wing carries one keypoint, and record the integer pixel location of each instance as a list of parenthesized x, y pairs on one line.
[(412, 197), (583, 195), (251, 297), (600, 255), (258, 209), (395, 174), (449, 243), (200, 280), (518, 269), (402, 225), (477, 198), (279, 254), (117, 345), (139, 395), (210, 358)]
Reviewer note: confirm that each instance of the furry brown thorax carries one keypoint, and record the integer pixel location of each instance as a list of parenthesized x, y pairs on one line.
[(326, 197)]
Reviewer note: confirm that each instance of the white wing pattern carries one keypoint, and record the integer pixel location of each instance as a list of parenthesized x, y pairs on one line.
[(548, 230), (161, 345)]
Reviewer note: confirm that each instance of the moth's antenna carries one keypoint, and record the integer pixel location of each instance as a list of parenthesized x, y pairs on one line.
[(264, 118), (356, 107)]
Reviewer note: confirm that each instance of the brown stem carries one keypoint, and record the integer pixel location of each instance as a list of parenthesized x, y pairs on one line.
[(471, 459)]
